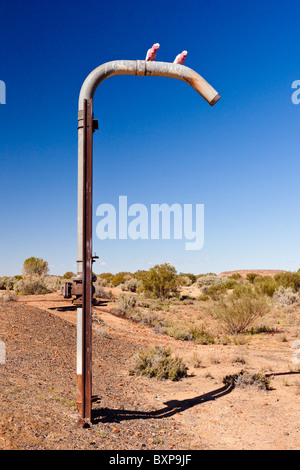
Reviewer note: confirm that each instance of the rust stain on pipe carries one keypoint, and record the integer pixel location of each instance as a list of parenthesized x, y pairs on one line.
[(147, 68)]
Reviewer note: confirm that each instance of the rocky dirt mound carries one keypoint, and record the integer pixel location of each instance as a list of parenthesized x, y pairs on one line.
[(37, 390)]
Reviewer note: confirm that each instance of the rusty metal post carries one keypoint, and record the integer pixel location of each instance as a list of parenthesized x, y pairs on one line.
[(85, 180), (84, 315)]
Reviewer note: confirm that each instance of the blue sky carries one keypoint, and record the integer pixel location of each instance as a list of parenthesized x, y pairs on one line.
[(159, 142)]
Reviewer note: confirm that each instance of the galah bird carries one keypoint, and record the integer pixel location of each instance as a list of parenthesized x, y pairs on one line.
[(151, 53), (180, 58)]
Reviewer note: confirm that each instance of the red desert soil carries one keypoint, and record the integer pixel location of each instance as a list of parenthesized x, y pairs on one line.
[(37, 388), (244, 272)]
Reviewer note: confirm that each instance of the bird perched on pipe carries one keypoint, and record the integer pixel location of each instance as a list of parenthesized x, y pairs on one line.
[(180, 58), (151, 53)]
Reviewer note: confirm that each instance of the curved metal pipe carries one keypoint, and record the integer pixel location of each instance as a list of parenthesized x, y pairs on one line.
[(84, 222), (131, 67), (146, 68)]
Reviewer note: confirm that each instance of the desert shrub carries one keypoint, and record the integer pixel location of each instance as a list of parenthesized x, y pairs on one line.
[(200, 336), (5, 283), (285, 296), (178, 333), (235, 276), (215, 291), (158, 362), (242, 290), (9, 296), (265, 285), (121, 278), (35, 284), (251, 277), (131, 285), (161, 281), (31, 284), (288, 279), (105, 278), (192, 277), (236, 314), (218, 289), (203, 297), (101, 282), (35, 266), (140, 275), (126, 302), (102, 293), (246, 380), (184, 280), (52, 283), (9, 282), (68, 275), (211, 283), (207, 280), (196, 360)]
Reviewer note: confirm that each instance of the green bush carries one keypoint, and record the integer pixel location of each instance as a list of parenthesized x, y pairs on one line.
[(203, 297), (120, 278), (235, 276), (35, 266), (288, 279), (161, 281), (201, 336), (68, 275), (242, 290), (251, 277), (265, 285), (236, 313), (158, 362), (218, 289), (105, 278), (140, 275)]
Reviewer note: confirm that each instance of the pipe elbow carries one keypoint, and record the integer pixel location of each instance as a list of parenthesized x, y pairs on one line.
[(146, 68)]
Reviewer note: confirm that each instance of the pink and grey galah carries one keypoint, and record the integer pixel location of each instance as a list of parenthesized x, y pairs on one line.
[(180, 58), (151, 53)]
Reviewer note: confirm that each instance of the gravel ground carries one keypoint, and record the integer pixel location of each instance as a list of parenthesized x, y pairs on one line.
[(38, 390)]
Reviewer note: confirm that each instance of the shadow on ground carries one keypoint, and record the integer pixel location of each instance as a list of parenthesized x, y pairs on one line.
[(107, 415)]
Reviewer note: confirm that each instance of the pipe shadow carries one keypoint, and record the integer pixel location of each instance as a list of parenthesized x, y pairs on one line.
[(108, 415), (278, 374)]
